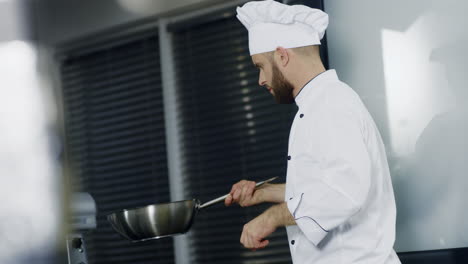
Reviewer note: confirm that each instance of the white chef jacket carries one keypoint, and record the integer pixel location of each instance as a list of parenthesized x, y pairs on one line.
[(338, 185)]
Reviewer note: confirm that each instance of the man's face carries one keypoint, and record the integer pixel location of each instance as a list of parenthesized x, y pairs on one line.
[(271, 77)]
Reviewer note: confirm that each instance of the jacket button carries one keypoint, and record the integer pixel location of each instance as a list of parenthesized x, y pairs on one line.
[(289, 157), (301, 115), (290, 198), (292, 242)]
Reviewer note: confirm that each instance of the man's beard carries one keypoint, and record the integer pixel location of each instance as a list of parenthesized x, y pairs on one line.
[(282, 88)]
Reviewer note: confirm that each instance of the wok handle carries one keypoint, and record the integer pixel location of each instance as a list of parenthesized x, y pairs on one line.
[(222, 198)]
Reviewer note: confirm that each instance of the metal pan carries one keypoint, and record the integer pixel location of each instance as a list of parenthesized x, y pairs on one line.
[(160, 220)]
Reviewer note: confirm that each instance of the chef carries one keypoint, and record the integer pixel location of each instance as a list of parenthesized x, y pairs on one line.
[(337, 204)]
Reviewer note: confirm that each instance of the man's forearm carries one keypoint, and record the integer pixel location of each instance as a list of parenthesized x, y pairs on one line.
[(272, 193), (279, 215)]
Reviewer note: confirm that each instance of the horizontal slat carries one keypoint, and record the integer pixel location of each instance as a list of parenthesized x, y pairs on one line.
[(133, 82), (234, 47), (112, 66), (145, 48), (146, 120), (116, 122), (143, 141), (133, 180), (110, 76), (229, 59), (215, 33), (130, 193), (138, 104), (130, 199), (87, 45), (115, 163)]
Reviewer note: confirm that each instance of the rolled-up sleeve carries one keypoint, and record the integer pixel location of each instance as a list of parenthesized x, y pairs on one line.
[(332, 175)]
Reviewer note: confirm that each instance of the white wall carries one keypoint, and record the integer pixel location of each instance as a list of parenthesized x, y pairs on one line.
[(407, 60)]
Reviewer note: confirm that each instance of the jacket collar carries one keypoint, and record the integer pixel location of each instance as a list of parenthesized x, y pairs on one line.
[(312, 87)]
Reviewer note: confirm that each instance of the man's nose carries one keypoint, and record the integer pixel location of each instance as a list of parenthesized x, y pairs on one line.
[(261, 80)]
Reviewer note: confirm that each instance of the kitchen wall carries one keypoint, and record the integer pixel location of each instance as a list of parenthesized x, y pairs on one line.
[(405, 59)]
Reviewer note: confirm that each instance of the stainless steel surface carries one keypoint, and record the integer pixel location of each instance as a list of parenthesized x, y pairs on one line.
[(83, 219), (160, 220), (154, 221), (76, 249)]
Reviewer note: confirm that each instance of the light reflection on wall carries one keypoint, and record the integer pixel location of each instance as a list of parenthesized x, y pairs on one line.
[(416, 89), (425, 82)]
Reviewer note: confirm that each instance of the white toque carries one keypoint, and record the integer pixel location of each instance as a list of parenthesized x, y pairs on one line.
[(271, 24)]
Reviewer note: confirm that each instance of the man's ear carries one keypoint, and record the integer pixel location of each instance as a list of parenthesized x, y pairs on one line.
[(282, 56)]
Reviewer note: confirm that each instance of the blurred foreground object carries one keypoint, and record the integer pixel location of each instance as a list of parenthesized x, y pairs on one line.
[(31, 201), (29, 191)]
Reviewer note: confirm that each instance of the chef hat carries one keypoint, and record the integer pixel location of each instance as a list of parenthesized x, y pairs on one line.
[(272, 24)]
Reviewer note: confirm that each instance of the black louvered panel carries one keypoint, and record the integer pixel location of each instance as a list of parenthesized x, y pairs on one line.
[(232, 130), (116, 140)]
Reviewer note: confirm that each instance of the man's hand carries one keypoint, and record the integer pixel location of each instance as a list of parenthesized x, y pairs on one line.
[(244, 194), (254, 232)]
